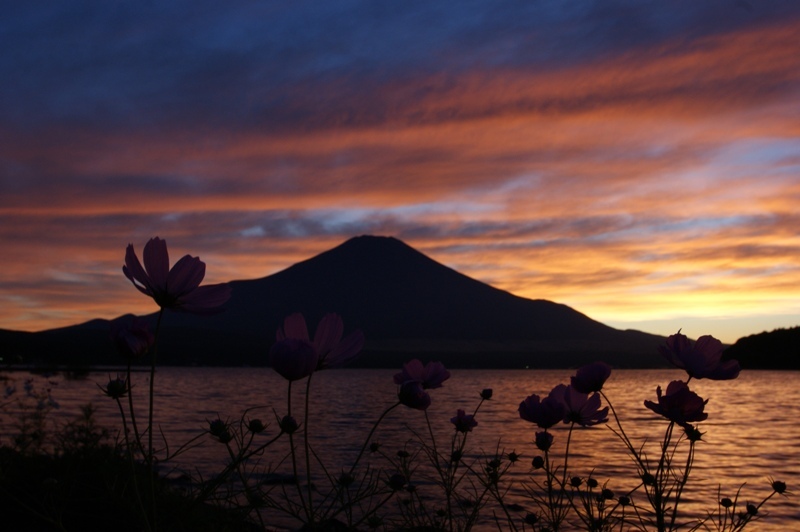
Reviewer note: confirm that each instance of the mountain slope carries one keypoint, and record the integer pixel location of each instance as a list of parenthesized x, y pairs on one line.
[(407, 305)]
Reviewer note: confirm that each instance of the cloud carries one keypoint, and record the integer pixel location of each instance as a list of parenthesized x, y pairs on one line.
[(627, 159)]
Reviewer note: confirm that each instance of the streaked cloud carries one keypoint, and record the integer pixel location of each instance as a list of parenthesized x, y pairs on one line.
[(638, 162)]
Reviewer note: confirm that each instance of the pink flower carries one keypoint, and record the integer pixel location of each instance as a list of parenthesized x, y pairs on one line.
[(332, 350), (591, 378), (463, 421), (177, 288), (679, 404), (430, 376), (413, 396), (703, 360), (293, 358), (545, 412), (133, 339), (582, 409)]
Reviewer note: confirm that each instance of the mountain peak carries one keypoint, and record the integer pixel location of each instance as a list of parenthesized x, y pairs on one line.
[(373, 244)]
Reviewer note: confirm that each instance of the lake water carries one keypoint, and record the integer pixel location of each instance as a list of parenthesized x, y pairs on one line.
[(752, 433)]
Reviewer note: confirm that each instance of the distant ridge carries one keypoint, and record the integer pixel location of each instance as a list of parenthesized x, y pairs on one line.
[(406, 303), (777, 349)]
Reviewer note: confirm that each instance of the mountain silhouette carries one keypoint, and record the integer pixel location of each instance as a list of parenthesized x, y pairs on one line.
[(407, 305)]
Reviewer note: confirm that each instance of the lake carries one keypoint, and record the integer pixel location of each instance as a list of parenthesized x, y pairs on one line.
[(752, 433)]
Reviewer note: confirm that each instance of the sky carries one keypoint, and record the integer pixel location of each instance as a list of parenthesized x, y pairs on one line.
[(637, 161)]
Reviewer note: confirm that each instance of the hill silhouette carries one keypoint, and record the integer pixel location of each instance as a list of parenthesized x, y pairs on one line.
[(406, 303), (778, 349)]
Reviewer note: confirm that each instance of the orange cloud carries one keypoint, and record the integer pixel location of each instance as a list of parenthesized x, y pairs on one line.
[(658, 183)]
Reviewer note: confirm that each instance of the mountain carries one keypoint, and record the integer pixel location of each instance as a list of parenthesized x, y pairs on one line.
[(778, 349), (407, 304)]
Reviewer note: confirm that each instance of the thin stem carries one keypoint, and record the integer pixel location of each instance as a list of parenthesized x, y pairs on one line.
[(133, 465), (369, 436), (682, 483), (133, 415), (659, 503), (624, 437), (306, 445), (152, 390), (294, 456), (150, 457)]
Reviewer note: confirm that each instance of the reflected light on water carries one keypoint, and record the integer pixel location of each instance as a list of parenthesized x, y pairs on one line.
[(751, 434)]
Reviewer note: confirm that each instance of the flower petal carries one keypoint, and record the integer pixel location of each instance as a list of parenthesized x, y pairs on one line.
[(156, 262), (135, 273), (328, 333), (185, 276), (294, 326), (207, 299), (413, 370), (346, 350)]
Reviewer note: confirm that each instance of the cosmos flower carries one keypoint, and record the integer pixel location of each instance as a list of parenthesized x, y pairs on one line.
[(429, 376), (590, 378), (463, 421), (582, 409), (679, 404), (132, 339), (177, 288), (293, 358), (703, 360), (412, 395), (332, 350), (544, 412)]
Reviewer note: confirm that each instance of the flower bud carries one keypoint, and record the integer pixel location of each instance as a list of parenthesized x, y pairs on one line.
[(397, 481), (288, 424), (537, 462), (607, 494), (374, 446), (345, 479), (624, 500), (531, 519), (726, 502), (116, 388), (486, 394), (778, 486), (592, 483), (217, 427), (575, 482), (255, 426), (544, 440), (226, 436), (693, 433)]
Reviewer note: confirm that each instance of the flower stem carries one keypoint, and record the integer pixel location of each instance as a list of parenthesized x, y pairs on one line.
[(306, 446), (152, 390), (369, 436)]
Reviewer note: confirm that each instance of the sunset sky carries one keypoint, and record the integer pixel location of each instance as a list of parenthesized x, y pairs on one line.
[(637, 161)]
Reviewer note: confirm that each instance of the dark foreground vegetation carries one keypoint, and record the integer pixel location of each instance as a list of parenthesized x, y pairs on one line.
[(78, 479)]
